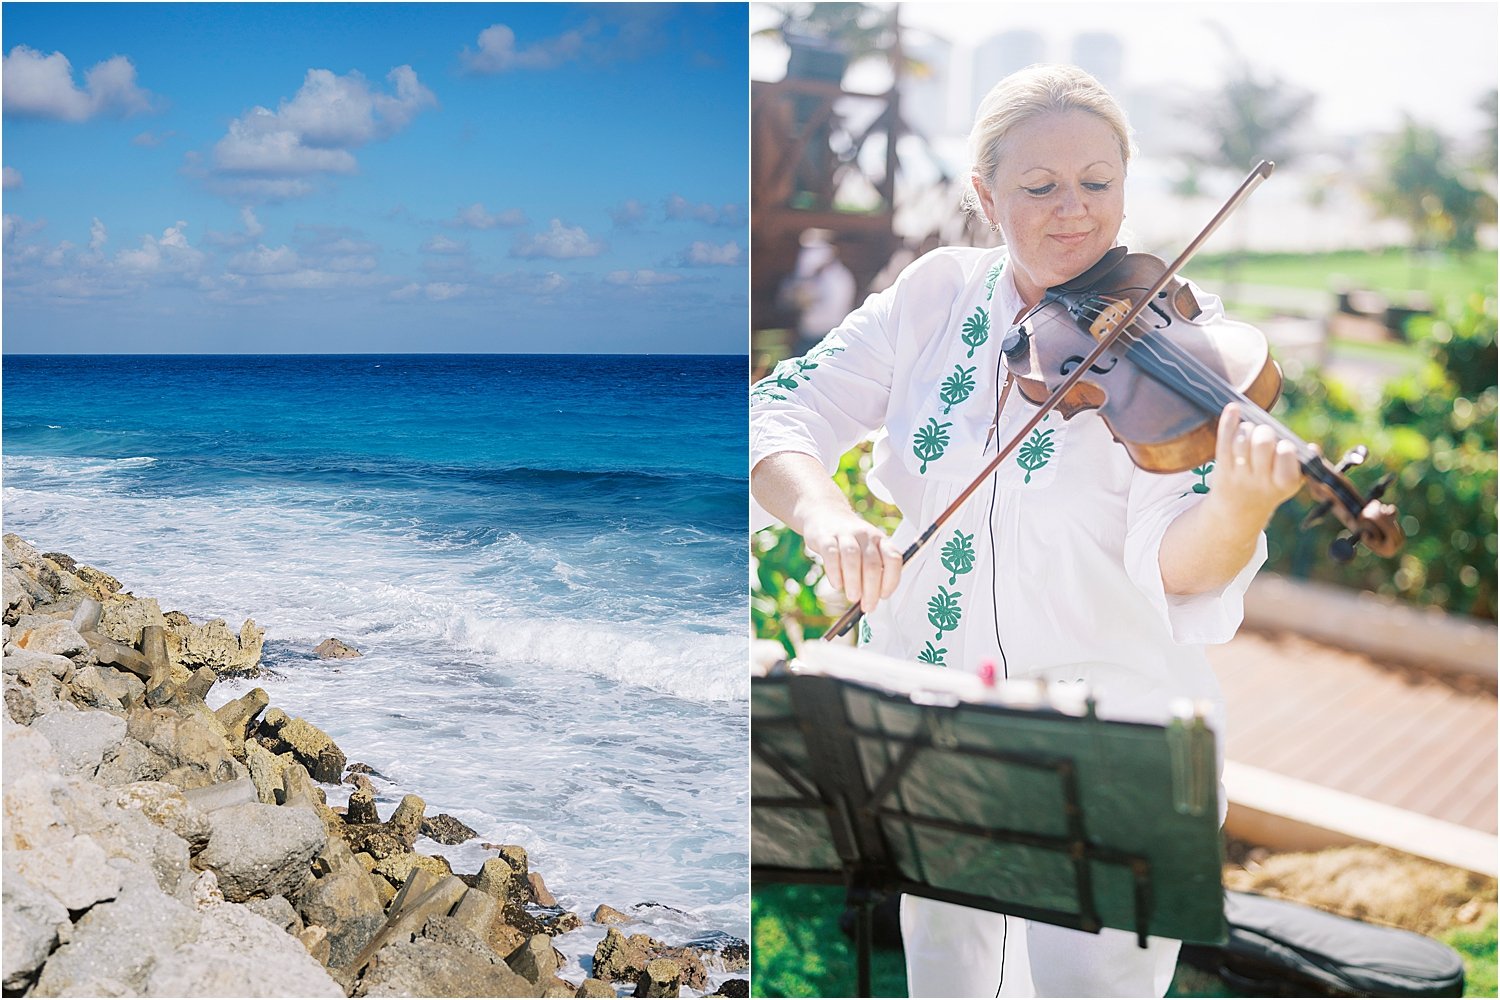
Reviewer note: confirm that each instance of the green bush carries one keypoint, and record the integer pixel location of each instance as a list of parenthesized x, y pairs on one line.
[(1436, 430)]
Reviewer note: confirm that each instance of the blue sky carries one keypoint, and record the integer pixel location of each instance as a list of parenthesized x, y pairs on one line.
[(345, 178)]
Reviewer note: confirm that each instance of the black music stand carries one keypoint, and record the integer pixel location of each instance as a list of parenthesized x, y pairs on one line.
[(1031, 811)]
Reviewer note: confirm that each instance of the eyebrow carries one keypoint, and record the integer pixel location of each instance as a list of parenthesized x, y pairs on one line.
[(1089, 166)]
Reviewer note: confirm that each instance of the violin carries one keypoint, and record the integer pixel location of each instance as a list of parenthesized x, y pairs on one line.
[(1122, 338), (1163, 384)]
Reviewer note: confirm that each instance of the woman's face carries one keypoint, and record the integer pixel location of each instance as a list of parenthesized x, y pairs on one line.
[(1058, 196)]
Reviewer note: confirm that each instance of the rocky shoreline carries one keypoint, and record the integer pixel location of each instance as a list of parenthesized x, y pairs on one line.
[(155, 846)]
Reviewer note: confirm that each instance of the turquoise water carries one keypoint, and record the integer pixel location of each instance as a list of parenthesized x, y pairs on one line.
[(541, 558)]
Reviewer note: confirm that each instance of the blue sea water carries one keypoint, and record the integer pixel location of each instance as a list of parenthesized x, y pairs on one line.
[(541, 558)]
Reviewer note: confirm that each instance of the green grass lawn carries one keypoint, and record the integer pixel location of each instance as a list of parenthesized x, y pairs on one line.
[(799, 951), (1395, 273)]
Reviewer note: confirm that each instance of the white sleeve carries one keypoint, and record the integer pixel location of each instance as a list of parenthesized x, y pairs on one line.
[(1156, 501), (824, 402)]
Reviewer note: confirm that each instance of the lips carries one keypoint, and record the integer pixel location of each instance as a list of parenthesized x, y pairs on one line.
[(1069, 239)]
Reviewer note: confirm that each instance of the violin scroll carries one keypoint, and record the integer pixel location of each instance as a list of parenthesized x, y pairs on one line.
[(1369, 522)]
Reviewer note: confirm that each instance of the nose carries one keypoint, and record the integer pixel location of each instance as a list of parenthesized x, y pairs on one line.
[(1070, 203)]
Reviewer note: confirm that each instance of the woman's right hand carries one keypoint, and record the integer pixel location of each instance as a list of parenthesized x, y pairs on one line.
[(858, 558)]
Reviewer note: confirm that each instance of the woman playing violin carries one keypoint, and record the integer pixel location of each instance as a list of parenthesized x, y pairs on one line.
[(1070, 563)]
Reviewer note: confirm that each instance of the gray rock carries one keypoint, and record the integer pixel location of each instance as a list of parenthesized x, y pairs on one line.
[(80, 739), (477, 911), (191, 738), (89, 689), (52, 663), (361, 808), (59, 637), (334, 649), (427, 968), (76, 872), (127, 836), (265, 770), (662, 977), (313, 749), (239, 953), (261, 850), (214, 645), (606, 914), (278, 910), (88, 614), (32, 692), (18, 551), (595, 988), (238, 715), (130, 761), (536, 960), (167, 807), (115, 945), (35, 923), (146, 943), (124, 617), (446, 830), (346, 905), (221, 796)]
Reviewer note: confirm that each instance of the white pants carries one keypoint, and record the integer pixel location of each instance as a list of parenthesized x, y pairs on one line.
[(955, 951)]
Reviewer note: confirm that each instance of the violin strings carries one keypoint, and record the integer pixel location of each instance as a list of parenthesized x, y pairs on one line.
[(1208, 384), (1166, 354)]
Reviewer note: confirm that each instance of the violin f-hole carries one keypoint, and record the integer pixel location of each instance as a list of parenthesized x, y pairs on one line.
[(1073, 362)]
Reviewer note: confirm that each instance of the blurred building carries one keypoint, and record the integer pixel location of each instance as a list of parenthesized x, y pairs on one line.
[(1102, 55), (927, 87), (1001, 56)]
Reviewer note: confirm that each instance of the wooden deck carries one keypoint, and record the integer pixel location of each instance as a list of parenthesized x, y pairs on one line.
[(1418, 741)]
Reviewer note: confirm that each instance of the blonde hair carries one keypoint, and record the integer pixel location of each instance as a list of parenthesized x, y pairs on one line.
[(1031, 93)]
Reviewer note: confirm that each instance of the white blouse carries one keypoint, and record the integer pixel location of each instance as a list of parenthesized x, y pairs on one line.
[(1050, 568)]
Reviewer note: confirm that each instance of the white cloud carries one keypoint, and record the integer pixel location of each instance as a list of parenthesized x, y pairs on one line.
[(433, 291), (628, 214), (41, 86), (98, 235), (641, 279), (170, 254), (678, 207), (253, 228), (475, 216), (559, 241), (314, 132), (702, 254), (265, 260), (441, 244), (498, 52), (12, 178)]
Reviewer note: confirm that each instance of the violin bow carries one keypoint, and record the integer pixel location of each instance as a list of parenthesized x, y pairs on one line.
[(1261, 171)]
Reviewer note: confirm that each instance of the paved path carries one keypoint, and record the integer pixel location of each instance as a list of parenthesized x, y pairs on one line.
[(1409, 739)]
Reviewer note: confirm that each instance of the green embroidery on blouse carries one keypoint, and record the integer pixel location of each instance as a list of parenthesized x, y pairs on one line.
[(976, 329), (1201, 472), (958, 555), (956, 387), (992, 277), (930, 442), (1036, 452), (933, 656), (786, 373), (943, 611), (865, 633)]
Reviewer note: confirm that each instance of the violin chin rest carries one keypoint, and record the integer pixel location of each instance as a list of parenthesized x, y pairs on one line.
[(1088, 279)]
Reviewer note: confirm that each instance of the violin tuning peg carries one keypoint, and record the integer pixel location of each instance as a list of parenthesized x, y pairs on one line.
[(1316, 514), (1342, 548), (1354, 456), (1381, 485)]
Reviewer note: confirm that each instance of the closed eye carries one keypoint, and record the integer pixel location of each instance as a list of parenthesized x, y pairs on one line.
[(1039, 191), (1096, 186)]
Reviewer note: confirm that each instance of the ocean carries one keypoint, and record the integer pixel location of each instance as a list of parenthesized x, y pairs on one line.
[(541, 557)]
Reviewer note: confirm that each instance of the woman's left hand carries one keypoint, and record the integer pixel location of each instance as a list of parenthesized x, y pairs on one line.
[(1254, 471)]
